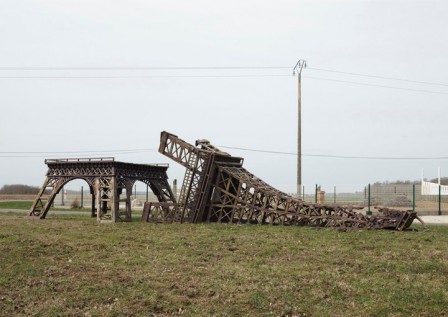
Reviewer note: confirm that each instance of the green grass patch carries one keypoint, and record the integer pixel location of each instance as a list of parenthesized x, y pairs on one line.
[(19, 204), (73, 266), (26, 205)]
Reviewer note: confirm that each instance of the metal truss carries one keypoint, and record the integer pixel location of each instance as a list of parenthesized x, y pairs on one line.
[(198, 164), (106, 179), (216, 188), (159, 212)]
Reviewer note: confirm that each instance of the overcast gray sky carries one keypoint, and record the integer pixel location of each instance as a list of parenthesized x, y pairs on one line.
[(117, 110)]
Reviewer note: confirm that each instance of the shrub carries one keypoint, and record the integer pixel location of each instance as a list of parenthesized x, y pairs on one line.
[(75, 203), (374, 201), (399, 201)]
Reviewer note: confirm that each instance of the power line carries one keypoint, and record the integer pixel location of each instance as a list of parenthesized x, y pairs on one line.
[(336, 156), (143, 76), (219, 76), (380, 77), (211, 76), (83, 68), (39, 154), (31, 154), (375, 85), (42, 156), (80, 152), (162, 68)]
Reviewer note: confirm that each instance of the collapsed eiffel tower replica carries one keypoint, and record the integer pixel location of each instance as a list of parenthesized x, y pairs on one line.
[(216, 188)]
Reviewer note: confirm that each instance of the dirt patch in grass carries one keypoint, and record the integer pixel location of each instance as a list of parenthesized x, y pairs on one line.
[(70, 265)]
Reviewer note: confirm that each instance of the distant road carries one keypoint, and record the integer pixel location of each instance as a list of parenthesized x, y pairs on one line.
[(434, 220)]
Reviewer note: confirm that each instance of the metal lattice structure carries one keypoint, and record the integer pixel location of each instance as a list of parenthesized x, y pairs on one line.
[(216, 188), (106, 179)]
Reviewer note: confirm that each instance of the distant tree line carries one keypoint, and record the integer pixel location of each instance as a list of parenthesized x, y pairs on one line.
[(19, 189), (443, 181)]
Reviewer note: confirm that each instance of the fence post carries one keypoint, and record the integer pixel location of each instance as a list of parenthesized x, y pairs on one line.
[(93, 203), (413, 197), (440, 200), (147, 192), (334, 196), (315, 195), (369, 212), (62, 202), (175, 188), (303, 192), (135, 191), (82, 197)]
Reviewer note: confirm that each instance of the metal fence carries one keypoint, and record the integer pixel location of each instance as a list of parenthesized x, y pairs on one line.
[(80, 197), (399, 196), (369, 196)]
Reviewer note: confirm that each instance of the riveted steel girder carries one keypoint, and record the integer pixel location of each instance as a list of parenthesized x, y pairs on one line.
[(106, 179), (216, 188)]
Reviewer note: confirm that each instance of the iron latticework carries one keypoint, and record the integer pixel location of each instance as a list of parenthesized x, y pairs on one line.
[(106, 179), (216, 188)]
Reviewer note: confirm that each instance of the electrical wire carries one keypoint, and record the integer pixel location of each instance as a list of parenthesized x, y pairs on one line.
[(132, 151), (39, 154), (143, 76), (379, 77), (160, 68), (18, 68), (213, 76), (376, 85), (219, 76), (32, 154), (336, 156), (71, 152), (43, 156)]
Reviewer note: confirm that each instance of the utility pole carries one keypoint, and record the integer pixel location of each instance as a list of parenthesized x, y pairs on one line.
[(298, 68)]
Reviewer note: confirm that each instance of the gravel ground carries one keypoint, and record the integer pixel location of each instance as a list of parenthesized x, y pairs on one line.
[(433, 220)]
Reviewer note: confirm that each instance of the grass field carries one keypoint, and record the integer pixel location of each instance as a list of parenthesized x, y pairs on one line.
[(26, 205), (19, 204), (72, 266)]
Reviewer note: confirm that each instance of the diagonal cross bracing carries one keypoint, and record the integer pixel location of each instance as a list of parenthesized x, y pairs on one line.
[(217, 188), (106, 179)]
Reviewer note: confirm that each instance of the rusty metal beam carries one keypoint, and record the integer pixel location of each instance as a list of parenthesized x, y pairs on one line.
[(217, 188), (106, 179)]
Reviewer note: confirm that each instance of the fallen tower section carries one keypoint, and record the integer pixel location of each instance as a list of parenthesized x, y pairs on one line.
[(216, 188)]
